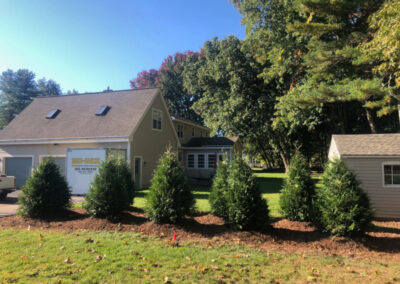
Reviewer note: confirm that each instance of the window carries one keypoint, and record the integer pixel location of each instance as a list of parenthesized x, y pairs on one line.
[(157, 119), (53, 113), (200, 160), (102, 110), (180, 131), (190, 163), (391, 174), (193, 132), (211, 161)]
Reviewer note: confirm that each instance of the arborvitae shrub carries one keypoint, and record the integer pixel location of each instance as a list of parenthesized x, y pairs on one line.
[(342, 208), (111, 191), (170, 198), (46, 192), (246, 207), (219, 188), (298, 191)]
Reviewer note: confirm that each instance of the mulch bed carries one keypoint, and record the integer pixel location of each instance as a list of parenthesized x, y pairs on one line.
[(382, 241)]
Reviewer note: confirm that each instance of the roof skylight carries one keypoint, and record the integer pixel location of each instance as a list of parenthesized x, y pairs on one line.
[(53, 113), (103, 110)]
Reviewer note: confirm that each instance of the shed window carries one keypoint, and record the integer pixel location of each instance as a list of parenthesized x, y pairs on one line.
[(391, 174), (211, 161), (102, 110), (53, 113), (157, 119)]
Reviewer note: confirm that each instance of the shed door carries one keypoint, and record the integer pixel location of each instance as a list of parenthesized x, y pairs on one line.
[(60, 161), (20, 168)]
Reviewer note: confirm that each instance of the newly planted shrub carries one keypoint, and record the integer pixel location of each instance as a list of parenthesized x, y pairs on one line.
[(170, 198), (46, 192), (217, 197), (246, 207), (342, 207), (298, 191), (111, 191)]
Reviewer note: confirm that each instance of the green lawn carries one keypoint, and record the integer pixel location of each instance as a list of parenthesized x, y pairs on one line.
[(270, 184), (114, 257)]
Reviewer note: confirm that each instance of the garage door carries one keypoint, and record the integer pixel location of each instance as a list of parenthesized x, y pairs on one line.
[(20, 168), (60, 161)]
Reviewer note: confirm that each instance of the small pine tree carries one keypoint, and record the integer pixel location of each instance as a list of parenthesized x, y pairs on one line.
[(219, 188), (342, 207), (111, 191), (46, 192), (246, 207), (170, 198), (298, 191)]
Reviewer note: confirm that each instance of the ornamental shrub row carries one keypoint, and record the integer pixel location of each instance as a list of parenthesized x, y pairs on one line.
[(236, 197), (338, 206)]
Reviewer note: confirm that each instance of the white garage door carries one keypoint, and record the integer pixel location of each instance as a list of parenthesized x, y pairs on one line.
[(21, 168)]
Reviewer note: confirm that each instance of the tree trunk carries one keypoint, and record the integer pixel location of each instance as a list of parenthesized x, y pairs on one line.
[(285, 161), (371, 120)]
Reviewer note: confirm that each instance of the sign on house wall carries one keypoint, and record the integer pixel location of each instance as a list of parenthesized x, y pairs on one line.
[(82, 167)]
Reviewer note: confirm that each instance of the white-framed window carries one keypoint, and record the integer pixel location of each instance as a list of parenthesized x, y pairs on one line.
[(190, 160), (391, 174), (180, 130), (203, 160), (157, 119)]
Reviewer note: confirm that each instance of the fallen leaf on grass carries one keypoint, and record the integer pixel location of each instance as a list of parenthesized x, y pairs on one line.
[(89, 240), (67, 260), (166, 281), (213, 267), (204, 270), (40, 237), (24, 257), (126, 243), (241, 255), (188, 258), (99, 244), (62, 247), (99, 258)]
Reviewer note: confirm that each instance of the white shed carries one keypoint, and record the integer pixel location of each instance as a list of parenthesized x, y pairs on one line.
[(375, 159)]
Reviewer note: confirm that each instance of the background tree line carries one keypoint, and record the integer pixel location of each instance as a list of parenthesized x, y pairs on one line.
[(307, 69)]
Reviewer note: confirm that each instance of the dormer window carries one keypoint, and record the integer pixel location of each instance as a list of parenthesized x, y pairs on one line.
[(157, 119), (103, 110), (53, 113)]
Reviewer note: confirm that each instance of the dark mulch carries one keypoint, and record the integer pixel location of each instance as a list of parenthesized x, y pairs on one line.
[(383, 240)]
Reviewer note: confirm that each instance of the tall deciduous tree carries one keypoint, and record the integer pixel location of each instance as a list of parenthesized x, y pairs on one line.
[(169, 78)]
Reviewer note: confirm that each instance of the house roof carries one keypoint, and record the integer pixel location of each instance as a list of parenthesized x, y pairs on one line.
[(209, 142), (77, 118), (188, 121), (368, 144)]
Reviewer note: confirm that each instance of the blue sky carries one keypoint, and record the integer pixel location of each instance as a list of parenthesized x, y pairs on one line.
[(89, 45)]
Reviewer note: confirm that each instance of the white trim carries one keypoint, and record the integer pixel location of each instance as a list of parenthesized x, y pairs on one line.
[(128, 153), (141, 169), (389, 163), (170, 119), (152, 119), (207, 148), (63, 141), (196, 160)]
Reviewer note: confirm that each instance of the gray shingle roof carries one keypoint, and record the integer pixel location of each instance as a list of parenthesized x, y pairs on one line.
[(209, 142), (77, 118), (368, 144)]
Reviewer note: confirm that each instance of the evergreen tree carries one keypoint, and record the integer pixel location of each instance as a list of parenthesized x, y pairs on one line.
[(217, 197), (46, 192), (170, 198), (342, 208), (111, 191), (246, 207), (298, 191)]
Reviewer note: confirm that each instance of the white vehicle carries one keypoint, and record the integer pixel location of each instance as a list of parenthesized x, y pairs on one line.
[(82, 167), (7, 184)]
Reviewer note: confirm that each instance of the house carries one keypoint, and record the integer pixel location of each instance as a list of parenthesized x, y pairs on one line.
[(200, 153), (375, 159), (134, 124)]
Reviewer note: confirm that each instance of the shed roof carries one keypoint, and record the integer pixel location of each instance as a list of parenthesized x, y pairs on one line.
[(78, 118), (368, 144), (209, 142)]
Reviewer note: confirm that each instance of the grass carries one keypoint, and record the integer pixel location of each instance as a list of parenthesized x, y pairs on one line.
[(114, 257), (270, 184)]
